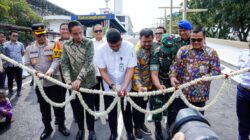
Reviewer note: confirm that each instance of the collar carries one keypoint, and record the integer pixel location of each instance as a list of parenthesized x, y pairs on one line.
[(71, 42), (45, 44), (201, 49)]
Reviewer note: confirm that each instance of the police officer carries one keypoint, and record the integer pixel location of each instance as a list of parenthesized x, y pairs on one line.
[(39, 57)]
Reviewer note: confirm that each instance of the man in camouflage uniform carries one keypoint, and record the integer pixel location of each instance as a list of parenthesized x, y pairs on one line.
[(78, 71), (160, 63), (184, 31)]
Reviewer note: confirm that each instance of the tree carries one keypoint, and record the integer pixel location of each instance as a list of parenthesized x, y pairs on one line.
[(222, 17)]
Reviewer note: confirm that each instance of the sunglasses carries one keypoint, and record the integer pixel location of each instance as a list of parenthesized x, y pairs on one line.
[(96, 31), (159, 33), (40, 35), (196, 39), (15, 35)]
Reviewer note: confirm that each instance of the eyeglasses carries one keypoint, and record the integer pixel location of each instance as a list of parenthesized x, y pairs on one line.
[(96, 31), (15, 35), (40, 35), (159, 33), (196, 39)]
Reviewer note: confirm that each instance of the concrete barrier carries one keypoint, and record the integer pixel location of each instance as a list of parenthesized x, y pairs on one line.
[(232, 43)]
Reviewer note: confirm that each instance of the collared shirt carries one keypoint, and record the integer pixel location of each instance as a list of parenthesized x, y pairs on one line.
[(39, 57), (142, 76), (244, 62), (162, 59), (14, 50), (116, 63), (181, 42), (190, 64), (97, 45), (77, 62)]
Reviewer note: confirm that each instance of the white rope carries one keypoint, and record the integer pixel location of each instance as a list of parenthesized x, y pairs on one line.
[(117, 100)]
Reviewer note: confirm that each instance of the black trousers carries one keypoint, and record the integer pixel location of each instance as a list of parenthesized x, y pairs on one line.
[(2, 79), (78, 111), (127, 115), (139, 117), (98, 86), (14, 72), (55, 94)]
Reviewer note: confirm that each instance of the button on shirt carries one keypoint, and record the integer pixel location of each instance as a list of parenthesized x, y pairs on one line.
[(191, 64), (97, 45), (116, 63), (14, 50), (244, 62)]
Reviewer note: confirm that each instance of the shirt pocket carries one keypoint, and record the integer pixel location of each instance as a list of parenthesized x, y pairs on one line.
[(48, 55), (34, 57)]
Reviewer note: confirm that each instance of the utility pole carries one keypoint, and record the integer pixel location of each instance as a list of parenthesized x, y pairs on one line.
[(185, 10), (107, 3), (171, 12)]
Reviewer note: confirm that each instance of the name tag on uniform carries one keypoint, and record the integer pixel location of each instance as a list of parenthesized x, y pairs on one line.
[(48, 52), (121, 67), (33, 54)]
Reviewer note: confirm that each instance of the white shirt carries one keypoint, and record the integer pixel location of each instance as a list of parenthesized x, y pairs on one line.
[(244, 62), (117, 63), (97, 45)]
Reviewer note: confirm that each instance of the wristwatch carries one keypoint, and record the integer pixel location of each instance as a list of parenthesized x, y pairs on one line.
[(111, 86)]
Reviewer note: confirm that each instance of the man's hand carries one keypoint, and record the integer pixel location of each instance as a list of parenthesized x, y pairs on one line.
[(68, 82), (123, 92), (39, 75), (76, 85), (142, 89), (174, 81), (49, 72), (114, 88), (162, 87)]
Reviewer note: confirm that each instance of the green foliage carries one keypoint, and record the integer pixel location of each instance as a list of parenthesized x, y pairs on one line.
[(222, 17), (18, 12)]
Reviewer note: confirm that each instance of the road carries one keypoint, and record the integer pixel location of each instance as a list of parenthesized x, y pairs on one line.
[(27, 123)]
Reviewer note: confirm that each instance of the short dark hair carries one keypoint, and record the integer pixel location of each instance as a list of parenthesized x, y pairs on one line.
[(64, 23), (96, 26), (12, 31), (146, 32), (161, 27), (113, 36), (198, 29), (2, 33), (73, 24)]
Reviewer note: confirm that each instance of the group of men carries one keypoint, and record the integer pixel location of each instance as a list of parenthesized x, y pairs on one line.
[(114, 64)]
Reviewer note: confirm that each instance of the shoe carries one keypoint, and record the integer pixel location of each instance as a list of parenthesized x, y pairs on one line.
[(46, 133), (138, 134), (18, 93), (145, 130), (149, 118), (113, 136), (130, 136), (32, 83), (80, 135), (64, 130), (92, 135)]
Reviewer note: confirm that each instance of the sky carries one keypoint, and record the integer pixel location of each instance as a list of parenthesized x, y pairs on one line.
[(143, 13)]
